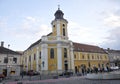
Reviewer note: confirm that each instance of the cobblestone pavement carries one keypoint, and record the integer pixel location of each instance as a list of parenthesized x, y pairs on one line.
[(70, 80)]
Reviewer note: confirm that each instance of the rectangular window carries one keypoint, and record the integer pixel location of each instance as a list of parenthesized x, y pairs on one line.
[(25, 59), (65, 52), (83, 57), (39, 55), (88, 56), (15, 60), (51, 53), (98, 57), (75, 56), (101, 57), (92, 57), (5, 60), (105, 57), (30, 58)]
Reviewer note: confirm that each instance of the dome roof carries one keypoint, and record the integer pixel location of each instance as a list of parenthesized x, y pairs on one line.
[(59, 14)]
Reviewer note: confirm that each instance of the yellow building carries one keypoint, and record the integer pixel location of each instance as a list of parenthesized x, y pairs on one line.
[(89, 56), (56, 53)]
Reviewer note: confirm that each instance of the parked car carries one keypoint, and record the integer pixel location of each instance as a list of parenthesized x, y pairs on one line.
[(66, 73), (32, 73), (23, 73), (36, 73), (114, 68)]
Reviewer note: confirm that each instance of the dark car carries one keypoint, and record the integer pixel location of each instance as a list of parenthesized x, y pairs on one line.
[(36, 73), (32, 73), (66, 73), (23, 73)]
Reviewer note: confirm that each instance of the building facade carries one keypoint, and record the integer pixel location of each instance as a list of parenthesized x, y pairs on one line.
[(114, 56), (9, 62), (89, 56), (55, 52)]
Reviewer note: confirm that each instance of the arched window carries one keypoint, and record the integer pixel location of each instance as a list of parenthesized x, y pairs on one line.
[(53, 25), (63, 31), (51, 53), (65, 52), (63, 25)]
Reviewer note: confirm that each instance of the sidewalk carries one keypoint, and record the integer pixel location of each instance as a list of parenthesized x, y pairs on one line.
[(15, 79), (42, 81)]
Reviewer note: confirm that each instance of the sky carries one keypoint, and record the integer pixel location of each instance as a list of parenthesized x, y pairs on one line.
[(94, 22)]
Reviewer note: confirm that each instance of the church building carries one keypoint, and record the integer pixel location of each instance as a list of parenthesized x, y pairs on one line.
[(56, 53)]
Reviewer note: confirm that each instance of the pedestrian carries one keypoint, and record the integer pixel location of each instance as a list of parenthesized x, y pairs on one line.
[(83, 71), (107, 68)]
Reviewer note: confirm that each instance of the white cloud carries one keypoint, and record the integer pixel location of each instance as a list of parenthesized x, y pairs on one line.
[(113, 41), (29, 18), (32, 27), (78, 33), (29, 28), (43, 30), (112, 20)]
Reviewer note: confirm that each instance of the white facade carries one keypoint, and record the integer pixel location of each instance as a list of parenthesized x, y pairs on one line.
[(13, 68)]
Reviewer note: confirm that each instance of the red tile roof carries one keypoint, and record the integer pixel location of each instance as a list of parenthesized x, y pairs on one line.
[(87, 48)]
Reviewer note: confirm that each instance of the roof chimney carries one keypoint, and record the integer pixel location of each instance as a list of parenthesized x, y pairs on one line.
[(108, 49), (2, 43)]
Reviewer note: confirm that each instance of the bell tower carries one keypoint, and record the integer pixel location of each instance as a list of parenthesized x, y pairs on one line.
[(59, 26)]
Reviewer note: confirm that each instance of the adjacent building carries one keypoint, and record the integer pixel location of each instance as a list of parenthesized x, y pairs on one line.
[(9, 61), (114, 56), (56, 53), (89, 56)]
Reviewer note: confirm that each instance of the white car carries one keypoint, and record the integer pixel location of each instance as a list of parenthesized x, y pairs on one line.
[(114, 68)]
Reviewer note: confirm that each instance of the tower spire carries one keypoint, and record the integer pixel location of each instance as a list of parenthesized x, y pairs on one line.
[(58, 7)]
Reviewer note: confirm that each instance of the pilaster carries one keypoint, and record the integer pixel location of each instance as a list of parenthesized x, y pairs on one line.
[(44, 56), (59, 56), (31, 64), (27, 57), (37, 59), (72, 56), (58, 30)]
